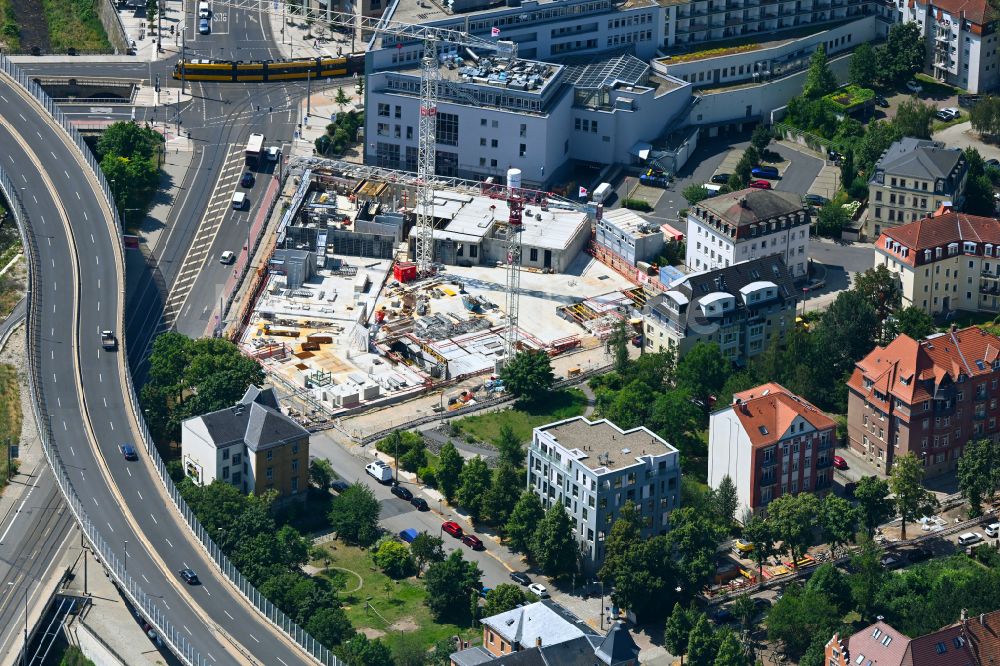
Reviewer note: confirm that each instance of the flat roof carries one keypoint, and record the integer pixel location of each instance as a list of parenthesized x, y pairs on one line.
[(426, 11), (630, 222), (602, 444)]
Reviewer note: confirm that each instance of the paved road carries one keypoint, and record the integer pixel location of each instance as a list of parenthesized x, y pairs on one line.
[(82, 389)]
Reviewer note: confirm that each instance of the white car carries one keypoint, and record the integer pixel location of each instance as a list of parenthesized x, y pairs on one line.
[(227, 257), (539, 590), (273, 153), (969, 538), (379, 470), (913, 86), (993, 530)]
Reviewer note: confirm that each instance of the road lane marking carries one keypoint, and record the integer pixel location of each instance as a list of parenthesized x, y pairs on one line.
[(139, 494), (144, 578), (228, 615), (95, 500), (168, 542), (112, 424), (187, 630), (129, 471), (111, 528), (210, 656), (253, 637), (154, 519), (71, 450), (281, 660), (67, 176), (4, 99), (165, 604)]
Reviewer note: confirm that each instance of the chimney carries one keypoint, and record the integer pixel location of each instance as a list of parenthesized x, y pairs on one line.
[(982, 619), (965, 615), (743, 202), (538, 641), (880, 618), (954, 327)]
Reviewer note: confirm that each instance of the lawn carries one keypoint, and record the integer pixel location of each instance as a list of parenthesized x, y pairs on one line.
[(934, 88), (522, 418), (399, 604), (74, 23), (963, 319), (10, 414), (10, 33)]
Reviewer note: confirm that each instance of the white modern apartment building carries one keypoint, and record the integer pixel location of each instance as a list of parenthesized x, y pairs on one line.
[(748, 224), (592, 468)]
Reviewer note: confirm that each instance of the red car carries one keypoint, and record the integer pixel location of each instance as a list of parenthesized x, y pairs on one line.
[(473, 542), (839, 462), (760, 184), (453, 529)]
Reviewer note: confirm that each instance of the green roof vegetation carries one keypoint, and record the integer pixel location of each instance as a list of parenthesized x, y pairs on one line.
[(849, 97)]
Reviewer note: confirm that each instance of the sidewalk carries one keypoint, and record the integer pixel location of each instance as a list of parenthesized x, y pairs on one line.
[(294, 39), (31, 457), (319, 110)]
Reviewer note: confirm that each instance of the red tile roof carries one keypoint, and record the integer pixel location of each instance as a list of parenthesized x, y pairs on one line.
[(939, 231), (766, 412), (977, 11), (878, 643)]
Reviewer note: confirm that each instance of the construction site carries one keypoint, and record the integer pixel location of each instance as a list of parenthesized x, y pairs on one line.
[(346, 321)]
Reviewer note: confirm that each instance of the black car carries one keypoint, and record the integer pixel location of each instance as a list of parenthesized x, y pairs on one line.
[(519, 577), (993, 163), (722, 615), (420, 503), (247, 180), (919, 554), (401, 492), (815, 200), (720, 178), (882, 101), (339, 485), (189, 576)]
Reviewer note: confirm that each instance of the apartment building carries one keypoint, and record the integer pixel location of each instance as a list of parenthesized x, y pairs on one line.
[(912, 179), (961, 39), (949, 261), (629, 235), (928, 398), (252, 445), (770, 442), (972, 641), (748, 224), (592, 468), (742, 308), (545, 632)]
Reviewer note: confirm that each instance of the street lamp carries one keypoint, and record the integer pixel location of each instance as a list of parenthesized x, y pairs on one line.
[(126, 560)]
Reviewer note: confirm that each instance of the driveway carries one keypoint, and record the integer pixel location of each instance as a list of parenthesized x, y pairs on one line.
[(962, 136)]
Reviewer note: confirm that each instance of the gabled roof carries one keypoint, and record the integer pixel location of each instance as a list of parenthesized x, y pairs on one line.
[(976, 11), (919, 158), (618, 646), (751, 205), (545, 620), (261, 396), (932, 232), (253, 421), (877, 644), (766, 413)]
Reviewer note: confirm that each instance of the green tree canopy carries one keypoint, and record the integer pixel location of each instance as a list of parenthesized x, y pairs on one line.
[(702, 646), (914, 322), (761, 137), (503, 494), (426, 549), (354, 515), (831, 220), (474, 484), (839, 520), (758, 532), (703, 371), (798, 616), (509, 446), (725, 500), (819, 79), (863, 70), (449, 584), (695, 193), (678, 629), (912, 500), (129, 139), (874, 505), (449, 470), (528, 375), (553, 546), (362, 651), (793, 518), (695, 536), (502, 598), (914, 118), (394, 559), (523, 521), (321, 473), (979, 473), (904, 52)]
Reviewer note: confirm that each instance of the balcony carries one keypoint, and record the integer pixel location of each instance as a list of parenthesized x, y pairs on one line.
[(823, 463)]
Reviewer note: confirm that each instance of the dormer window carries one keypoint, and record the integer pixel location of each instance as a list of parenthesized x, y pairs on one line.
[(969, 248), (927, 255)]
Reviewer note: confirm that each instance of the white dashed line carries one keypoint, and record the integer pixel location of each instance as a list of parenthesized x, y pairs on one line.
[(168, 542), (95, 501), (139, 494), (253, 637), (228, 615), (154, 519), (111, 528)]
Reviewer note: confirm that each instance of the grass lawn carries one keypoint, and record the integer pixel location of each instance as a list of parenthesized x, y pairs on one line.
[(9, 30), (74, 23), (938, 125), (522, 418), (10, 414), (965, 319), (934, 87), (400, 603)]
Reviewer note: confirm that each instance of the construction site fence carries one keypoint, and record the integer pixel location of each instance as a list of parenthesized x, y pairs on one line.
[(621, 266), (145, 603)]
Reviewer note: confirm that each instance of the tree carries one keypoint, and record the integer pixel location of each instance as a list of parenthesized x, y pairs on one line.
[(874, 505), (847, 332), (677, 630), (726, 500), (819, 79), (523, 521), (985, 116), (978, 187), (903, 53), (883, 291), (502, 598), (848, 171), (330, 626), (863, 70), (354, 515), (839, 520), (674, 416), (879, 136), (914, 322), (448, 584), (553, 545), (793, 518), (911, 499), (616, 345), (415, 456), (798, 616), (701, 644), (152, 7), (624, 538), (503, 494), (831, 219), (731, 652), (978, 471), (321, 473), (73, 656), (695, 193), (426, 549), (341, 99), (868, 577), (760, 138), (758, 532), (528, 375), (694, 537), (362, 651), (409, 649), (449, 470), (394, 559), (129, 139), (831, 582), (510, 447), (474, 483), (703, 371), (914, 118), (744, 610)]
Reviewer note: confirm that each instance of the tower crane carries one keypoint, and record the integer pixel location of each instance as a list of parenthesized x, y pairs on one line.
[(430, 36)]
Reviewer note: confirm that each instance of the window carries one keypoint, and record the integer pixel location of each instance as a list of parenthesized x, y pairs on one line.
[(533, 254), (270, 474), (383, 110), (270, 455), (447, 129)]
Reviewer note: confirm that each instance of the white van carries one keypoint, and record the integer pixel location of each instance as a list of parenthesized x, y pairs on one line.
[(203, 10), (379, 470), (239, 201), (993, 530), (712, 188), (601, 192), (969, 538)]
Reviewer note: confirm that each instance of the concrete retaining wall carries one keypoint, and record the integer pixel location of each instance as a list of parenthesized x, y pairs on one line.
[(112, 26)]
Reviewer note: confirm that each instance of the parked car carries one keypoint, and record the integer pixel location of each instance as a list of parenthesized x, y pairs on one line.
[(248, 179), (720, 178), (519, 577), (473, 542), (993, 530), (379, 470), (834, 156), (203, 26), (420, 504), (452, 528), (408, 535), (273, 153), (839, 462), (129, 452), (339, 485), (914, 87), (890, 562), (919, 554), (401, 492), (227, 257), (993, 163), (764, 172), (721, 615), (742, 546), (760, 184), (969, 538), (485, 591), (539, 589), (815, 200), (189, 576), (882, 101)]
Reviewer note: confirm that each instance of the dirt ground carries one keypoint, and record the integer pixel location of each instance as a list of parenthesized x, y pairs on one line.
[(31, 20)]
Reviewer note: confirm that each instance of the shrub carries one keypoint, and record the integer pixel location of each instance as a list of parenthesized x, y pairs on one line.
[(427, 475), (394, 559), (637, 204)]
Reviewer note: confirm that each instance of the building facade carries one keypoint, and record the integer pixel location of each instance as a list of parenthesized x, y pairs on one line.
[(912, 179), (770, 442), (251, 445), (629, 235), (928, 398), (949, 261), (747, 224), (592, 468), (742, 308)]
